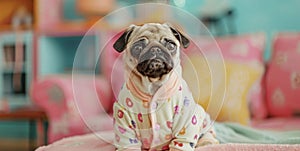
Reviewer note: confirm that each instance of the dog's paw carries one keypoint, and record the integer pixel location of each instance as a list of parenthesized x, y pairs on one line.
[(207, 139), (174, 149)]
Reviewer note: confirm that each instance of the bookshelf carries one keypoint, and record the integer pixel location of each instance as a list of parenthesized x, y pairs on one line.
[(15, 62), (56, 52)]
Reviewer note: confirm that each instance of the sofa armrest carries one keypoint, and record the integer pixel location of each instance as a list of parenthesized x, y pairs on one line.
[(51, 94), (71, 103)]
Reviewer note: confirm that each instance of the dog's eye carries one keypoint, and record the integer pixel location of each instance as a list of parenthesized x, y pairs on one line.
[(136, 50), (171, 46)]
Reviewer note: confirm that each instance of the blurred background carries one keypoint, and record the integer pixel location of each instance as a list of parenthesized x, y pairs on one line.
[(38, 38)]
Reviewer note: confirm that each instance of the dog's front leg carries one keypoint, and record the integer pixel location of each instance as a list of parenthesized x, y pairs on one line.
[(174, 149)]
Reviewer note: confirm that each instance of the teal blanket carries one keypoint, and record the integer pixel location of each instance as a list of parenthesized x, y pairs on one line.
[(236, 133)]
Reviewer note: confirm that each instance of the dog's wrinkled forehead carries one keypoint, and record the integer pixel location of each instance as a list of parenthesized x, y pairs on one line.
[(152, 31)]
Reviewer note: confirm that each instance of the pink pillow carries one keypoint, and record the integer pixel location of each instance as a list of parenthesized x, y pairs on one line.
[(283, 77), (245, 49), (111, 64)]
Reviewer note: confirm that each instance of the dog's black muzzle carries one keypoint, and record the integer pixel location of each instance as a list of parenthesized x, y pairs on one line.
[(155, 62)]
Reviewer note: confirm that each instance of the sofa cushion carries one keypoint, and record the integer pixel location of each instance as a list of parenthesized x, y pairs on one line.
[(283, 76)]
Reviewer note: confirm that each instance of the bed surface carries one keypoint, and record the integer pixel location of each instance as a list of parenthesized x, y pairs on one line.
[(232, 137), (92, 142)]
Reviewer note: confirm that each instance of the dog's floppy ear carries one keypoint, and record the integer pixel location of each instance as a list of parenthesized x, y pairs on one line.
[(180, 37), (121, 43)]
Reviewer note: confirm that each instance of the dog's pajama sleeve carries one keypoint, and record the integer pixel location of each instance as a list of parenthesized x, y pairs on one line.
[(187, 127), (209, 137), (125, 137)]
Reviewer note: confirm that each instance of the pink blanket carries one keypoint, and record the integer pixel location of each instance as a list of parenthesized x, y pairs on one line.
[(93, 142)]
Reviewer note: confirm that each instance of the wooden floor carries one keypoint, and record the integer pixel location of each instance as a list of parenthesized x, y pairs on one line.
[(14, 145)]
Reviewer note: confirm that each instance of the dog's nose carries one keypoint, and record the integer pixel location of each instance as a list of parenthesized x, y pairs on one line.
[(155, 50)]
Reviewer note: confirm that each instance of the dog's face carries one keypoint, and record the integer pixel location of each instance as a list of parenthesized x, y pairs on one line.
[(152, 50)]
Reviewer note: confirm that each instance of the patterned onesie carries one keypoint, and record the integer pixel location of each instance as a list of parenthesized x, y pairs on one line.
[(162, 122)]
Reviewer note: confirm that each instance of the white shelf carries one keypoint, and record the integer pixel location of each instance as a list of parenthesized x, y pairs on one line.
[(7, 68)]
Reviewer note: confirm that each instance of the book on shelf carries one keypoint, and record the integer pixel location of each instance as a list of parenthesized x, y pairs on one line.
[(10, 54), (4, 105), (9, 83)]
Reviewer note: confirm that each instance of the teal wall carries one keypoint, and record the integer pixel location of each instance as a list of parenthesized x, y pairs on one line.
[(69, 10), (267, 15), (259, 15), (57, 54)]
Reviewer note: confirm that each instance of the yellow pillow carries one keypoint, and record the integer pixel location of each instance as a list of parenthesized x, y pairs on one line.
[(239, 77)]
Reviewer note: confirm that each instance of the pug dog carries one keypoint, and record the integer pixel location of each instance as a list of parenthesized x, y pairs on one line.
[(155, 109)]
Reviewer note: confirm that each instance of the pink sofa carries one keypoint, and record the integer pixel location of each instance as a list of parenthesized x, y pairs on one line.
[(66, 118)]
